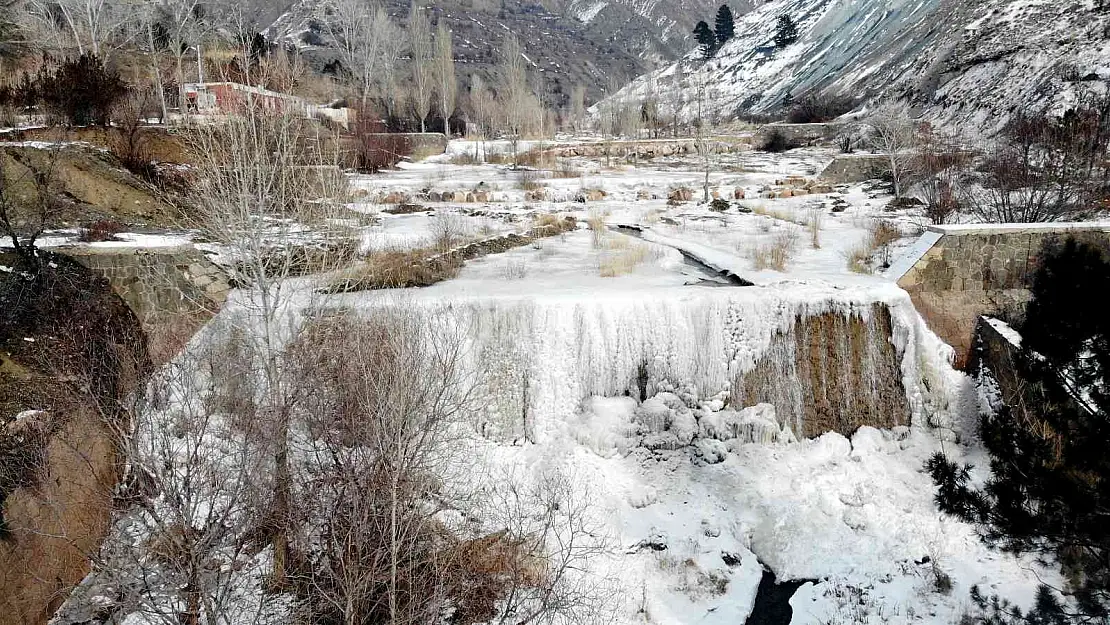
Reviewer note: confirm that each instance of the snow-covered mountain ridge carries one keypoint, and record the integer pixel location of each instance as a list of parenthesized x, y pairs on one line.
[(970, 61)]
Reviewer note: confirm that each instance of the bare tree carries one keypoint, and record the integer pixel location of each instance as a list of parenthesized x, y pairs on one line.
[(379, 462), (447, 84), (183, 26), (270, 195), (393, 47), (547, 520), (577, 112), (892, 135), (513, 91), (90, 26), (483, 106), (1047, 169), (146, 17), (30, 199), (360, 30), (282, 70), (420, 47), (703, 137), (196, 475), (939, 166)]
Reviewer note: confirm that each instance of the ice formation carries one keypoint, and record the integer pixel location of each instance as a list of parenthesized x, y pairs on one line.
[(538, 361)]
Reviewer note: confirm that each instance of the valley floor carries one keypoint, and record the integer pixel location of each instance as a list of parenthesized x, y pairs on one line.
[(691, 529), (685, 525)]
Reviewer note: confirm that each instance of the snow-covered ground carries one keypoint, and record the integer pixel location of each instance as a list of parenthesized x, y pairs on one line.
[(856, 516), (691, 497)]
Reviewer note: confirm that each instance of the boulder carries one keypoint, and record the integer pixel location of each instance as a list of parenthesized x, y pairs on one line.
[(594, 195), (681, 194), (738, 193), (394, 197)]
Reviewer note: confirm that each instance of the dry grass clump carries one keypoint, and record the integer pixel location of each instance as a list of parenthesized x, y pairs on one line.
[(548, 220), (515, 270), (563, 170), (596, 223), (621, 256), (529, 180), (545, 160), (776, 253), (464, 158), (875, 249), (392, 269), (859, 259), (774, 213), (813, 225), (883, 233)]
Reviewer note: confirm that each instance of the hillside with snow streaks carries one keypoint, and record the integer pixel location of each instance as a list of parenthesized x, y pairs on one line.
[(966, 61)]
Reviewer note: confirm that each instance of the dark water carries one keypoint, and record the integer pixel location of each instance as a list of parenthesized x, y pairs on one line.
[(772, 600), (712, 277)]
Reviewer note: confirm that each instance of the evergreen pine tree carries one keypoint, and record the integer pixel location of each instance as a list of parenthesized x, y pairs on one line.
[(706, 39), (1049, 490), (786, 31), (725, 25)]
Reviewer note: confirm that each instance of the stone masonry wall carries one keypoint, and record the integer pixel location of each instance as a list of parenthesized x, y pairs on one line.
[(981, 269), (801, 134), (172, 290), (848, 168)]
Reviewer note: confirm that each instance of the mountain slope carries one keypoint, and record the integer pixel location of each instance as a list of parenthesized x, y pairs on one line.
[(972, 61), (656, 30), (558, 47)]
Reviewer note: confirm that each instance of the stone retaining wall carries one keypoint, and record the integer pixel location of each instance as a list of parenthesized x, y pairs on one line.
[(800, 134), (644, 149), (172, 290), (849, 168), (973, 270)]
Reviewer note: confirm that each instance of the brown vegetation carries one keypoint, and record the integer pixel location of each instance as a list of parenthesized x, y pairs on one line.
[(426, 266), (72, 352)]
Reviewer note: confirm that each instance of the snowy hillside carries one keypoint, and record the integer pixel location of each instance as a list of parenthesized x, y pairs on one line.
[(958, 60), (564, 50)]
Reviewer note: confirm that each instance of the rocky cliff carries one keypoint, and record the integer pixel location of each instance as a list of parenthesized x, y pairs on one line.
[(971, 62)]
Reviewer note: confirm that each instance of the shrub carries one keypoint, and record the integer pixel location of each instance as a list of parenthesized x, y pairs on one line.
[(515, 270), (621, 257), (815, 110), (103, 230), (448, 230), (720, 205), (776, 142), (814, 228), (130, 142), (1048, 168), (81, 91), (776, 253), (596, 223), (881, 234), (859, 258), (529, 180), (376, 149)]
